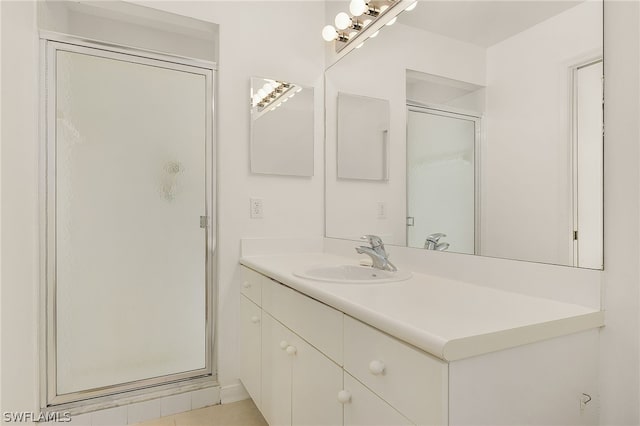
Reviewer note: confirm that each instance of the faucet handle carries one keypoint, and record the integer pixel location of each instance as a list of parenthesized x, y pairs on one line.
[(373, 240), (434, 238)]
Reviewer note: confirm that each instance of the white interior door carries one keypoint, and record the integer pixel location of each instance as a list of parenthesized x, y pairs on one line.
[(588, 166), (441, 178)]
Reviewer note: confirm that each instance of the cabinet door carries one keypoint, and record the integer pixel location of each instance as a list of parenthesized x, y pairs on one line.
[(250, 347), (276, 372), (367, 409), (316, 383)]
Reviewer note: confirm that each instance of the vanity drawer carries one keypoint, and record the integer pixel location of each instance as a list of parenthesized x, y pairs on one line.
[(315, 322), (412, 381), (252, 285)]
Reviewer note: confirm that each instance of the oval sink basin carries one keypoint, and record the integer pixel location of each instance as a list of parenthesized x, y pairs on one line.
[(352, 274)]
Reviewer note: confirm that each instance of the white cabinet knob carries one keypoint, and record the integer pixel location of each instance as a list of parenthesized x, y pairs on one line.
[(283, 345), (344, 397), (246, 284), (376, 367), (255, 319), (291, 350)]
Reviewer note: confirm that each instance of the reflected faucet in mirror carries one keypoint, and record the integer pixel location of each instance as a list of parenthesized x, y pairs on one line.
[(432, 242), (377, 253)]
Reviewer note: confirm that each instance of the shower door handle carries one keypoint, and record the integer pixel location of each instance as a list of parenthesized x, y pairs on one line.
[(204, 222)]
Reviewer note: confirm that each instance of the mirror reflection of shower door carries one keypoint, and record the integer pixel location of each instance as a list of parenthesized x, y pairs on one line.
[(441, 178), (129, 176)]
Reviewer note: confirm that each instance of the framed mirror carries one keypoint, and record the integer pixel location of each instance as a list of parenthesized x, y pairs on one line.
[(495, 131), (282, 128)]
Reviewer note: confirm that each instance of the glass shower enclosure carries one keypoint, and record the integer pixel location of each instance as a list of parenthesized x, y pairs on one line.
[(129, 220)]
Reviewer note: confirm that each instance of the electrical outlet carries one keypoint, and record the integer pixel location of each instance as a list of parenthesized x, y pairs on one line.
[(382, 210), (256, 208)]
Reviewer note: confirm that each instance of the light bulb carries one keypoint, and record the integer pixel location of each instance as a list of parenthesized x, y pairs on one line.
[(342, 21), (262, 93), (329, 33), (357, 7), (374, 34), (267, 87), (393, 21), (412, 6), (274, 85)]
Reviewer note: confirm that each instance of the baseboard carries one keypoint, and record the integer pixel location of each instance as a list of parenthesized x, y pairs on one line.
[(232, 393)]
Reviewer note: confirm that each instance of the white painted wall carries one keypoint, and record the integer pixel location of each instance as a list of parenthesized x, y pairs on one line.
[(530, 142), (619, 349), (269, 43), (1, 93), (19, 357), (378, 70)]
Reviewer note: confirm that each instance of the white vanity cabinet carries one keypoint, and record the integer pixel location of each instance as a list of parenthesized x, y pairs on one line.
[(477, 355), (412, 381), (363, 408), (299, 384), (250, 332), (250, 347), (298, 358)]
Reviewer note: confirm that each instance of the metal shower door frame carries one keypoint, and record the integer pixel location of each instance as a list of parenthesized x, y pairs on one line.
[(50, 44), (476, 118)]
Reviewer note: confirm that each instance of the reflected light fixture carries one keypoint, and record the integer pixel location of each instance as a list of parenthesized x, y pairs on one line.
[(271, 92), (348, 27), (264, 102)]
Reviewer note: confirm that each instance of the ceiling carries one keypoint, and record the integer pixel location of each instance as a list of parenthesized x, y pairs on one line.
[(483, 23)]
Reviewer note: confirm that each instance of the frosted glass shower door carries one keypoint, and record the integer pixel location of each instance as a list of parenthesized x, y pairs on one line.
[(128, 184), (441, 178)]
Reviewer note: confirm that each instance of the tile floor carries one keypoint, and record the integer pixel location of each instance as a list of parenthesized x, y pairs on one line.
[(242, 413)]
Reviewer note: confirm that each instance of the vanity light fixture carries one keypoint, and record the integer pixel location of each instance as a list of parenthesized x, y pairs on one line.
[(362, 7), (347, 28)]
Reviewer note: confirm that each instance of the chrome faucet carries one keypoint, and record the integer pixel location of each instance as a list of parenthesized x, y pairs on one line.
[(377, 253), (432, 242)]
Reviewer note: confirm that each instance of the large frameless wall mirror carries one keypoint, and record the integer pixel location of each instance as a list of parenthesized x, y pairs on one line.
[(495, 141), (282, 127)]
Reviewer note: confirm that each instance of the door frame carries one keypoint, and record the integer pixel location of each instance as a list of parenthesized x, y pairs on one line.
[(573, 112), (50, 44), (451, 112)]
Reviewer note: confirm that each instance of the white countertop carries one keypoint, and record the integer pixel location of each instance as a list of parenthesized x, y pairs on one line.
[(449, 319)]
